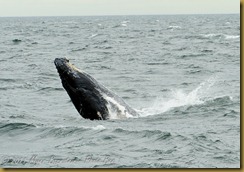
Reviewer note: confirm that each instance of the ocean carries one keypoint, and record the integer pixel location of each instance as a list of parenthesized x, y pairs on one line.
[(180, 72)]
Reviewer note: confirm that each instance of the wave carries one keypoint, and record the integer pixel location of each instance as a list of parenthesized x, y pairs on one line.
[(232, 36), (16, 41), (207, 51), (212, 36), (219, 36), (157, 63), (93, 35), (124, 25), (65, 131), (79, 49), (156, 134), (4, 128), (51, 89), (48, 130), (9, 80), (174, 27), (99, 127), (125, 21), (192, 55)]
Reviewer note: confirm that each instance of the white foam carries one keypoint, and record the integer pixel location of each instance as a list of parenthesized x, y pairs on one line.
[(232, 36), (179, 98), (99, 127), (174, 27), (93, 35), (221, 36), (211, 35), (123, 24)]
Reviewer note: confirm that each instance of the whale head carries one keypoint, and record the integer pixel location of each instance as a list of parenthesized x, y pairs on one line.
[(83, 90)]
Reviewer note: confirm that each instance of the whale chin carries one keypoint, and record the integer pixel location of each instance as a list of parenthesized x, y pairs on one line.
[(91, 99)]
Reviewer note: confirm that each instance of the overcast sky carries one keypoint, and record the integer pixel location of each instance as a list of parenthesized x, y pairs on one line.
[(115, 7)]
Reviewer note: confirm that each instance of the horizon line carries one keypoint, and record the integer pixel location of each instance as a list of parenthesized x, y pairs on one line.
[(107, 15)]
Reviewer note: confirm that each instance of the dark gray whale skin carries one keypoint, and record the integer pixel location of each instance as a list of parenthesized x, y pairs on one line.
[(91, 99)]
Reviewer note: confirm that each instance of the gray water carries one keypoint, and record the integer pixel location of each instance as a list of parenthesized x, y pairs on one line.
[(181, 73)]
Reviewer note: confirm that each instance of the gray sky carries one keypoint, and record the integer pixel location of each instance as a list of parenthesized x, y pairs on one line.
[(115, 7)]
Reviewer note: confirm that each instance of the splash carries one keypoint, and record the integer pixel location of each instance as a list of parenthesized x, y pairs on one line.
[(178, 98)]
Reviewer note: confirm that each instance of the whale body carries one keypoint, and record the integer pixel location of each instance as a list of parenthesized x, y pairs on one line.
[(91, 99)]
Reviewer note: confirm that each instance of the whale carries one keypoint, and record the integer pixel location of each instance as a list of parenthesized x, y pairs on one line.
[(91, 99)]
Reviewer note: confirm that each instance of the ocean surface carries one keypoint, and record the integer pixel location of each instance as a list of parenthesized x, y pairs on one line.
[(180, 72)]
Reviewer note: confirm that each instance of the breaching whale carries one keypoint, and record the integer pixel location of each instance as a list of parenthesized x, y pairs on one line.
[(91, 99)]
